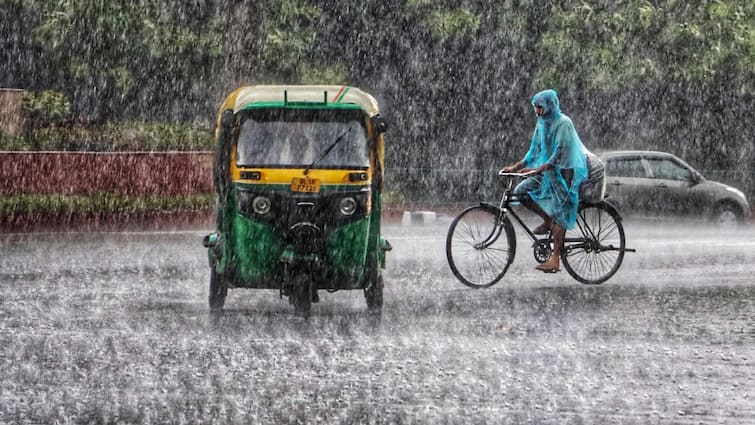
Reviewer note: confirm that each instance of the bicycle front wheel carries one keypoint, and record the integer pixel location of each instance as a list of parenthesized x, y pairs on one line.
[(480, 246), (594, 249)]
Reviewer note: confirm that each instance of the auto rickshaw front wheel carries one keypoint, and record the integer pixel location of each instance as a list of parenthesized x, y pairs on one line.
[(218, 292), (301, 294), (373, 294)]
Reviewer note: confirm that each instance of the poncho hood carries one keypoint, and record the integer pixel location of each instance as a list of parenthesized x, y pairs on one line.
[(548, 99)]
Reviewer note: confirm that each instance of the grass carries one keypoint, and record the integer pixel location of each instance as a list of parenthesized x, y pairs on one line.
[(103, 203)]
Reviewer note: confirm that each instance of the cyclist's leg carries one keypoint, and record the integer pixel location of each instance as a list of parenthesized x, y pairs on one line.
[(522, 191), (532, 206), (554, 263), (558, 233)]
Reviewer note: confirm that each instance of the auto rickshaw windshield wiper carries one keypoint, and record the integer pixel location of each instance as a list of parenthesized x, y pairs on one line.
[(327, 151)]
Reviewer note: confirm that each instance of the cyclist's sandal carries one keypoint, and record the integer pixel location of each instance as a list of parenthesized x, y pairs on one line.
[(548, 269)]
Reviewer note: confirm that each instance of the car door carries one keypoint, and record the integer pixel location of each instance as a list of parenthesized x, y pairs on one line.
[(627, 180), (671, 192)]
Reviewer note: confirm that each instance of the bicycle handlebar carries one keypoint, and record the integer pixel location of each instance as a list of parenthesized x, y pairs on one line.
[(522, 175)]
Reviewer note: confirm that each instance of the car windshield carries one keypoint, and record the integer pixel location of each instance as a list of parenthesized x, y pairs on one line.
[(289, 138)]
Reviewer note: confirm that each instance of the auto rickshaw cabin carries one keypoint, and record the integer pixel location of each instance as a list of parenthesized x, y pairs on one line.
[(299, 175)]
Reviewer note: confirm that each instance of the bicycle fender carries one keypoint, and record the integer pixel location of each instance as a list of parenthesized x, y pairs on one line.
[(607, 205), (486, 205)]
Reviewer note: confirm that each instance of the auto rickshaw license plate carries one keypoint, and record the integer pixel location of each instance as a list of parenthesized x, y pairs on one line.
[(305, 185)]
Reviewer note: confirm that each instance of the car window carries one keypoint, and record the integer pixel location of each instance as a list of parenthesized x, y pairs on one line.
[(625, 167), (667, 169)]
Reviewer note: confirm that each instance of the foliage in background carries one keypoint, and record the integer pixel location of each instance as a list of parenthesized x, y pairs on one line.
[(289, 35), (115, 58), (630, 42), (46, 108), (444, 22), (452, 77), (115, 136), (103, 203)]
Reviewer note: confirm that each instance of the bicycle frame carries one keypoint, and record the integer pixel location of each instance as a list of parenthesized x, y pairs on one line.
[(504, 206)]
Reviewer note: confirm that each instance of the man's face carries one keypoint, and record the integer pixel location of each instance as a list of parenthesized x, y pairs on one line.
[(539, 109)]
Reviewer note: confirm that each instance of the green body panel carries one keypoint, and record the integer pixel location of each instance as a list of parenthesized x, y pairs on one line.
[(346, 252), (250, 252), (301, 105), (254, 252), (256, 249), (376, 255)]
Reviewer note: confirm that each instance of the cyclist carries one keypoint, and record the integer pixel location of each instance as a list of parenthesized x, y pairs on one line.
[(556, 157)]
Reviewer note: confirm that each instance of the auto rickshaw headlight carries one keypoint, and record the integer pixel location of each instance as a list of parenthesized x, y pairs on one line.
[(347, 205), (261, 205)]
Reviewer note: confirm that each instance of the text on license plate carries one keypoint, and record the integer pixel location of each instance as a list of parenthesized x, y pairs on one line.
[(305, 185)]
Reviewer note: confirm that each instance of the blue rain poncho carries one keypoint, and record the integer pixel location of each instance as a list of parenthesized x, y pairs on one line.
[(556, 142)]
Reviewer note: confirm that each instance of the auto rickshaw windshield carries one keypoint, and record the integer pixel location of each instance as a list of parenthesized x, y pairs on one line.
[(297, 138)]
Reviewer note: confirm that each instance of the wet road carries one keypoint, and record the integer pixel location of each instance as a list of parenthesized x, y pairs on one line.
[(113, 328)]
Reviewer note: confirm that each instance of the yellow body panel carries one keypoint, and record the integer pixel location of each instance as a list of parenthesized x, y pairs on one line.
[(285, 176)]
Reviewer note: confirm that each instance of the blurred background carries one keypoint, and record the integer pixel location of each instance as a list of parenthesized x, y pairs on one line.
[(453, 78)]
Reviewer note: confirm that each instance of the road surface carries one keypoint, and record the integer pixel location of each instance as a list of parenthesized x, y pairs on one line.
[(113, 328)]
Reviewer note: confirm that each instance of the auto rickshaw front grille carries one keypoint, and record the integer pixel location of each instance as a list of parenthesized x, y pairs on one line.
[(304, 211), (306, 238), (288, 209)]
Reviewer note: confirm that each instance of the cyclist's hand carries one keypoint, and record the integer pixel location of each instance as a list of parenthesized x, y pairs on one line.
[(527, 170), (509, 169)]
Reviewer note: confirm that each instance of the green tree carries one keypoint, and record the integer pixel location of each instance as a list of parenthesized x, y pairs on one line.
[(290, 41), (444, 21), (109, 53), (607, 45), (46, 108)]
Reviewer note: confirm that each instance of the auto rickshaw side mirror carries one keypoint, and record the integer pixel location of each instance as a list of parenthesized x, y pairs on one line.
[(223, 152), (227, 119), (379, 124)]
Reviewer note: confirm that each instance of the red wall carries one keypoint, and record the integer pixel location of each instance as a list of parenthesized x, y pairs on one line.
[(126, 173)]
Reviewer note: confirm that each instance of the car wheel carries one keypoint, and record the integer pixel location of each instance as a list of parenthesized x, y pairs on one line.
[(727, 215)]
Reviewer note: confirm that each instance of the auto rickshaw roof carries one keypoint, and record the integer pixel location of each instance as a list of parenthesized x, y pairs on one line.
[(301, 96)]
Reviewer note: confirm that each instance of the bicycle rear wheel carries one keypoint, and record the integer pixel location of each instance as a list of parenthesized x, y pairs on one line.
[(594, 249), (480, 246)]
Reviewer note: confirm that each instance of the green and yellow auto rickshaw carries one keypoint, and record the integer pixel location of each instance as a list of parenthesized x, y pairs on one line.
[(299, 173)]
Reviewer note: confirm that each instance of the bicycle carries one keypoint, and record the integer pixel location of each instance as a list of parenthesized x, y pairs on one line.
[(481, 242)]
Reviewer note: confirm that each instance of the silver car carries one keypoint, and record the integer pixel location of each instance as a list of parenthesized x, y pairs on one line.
[(657, 184)]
